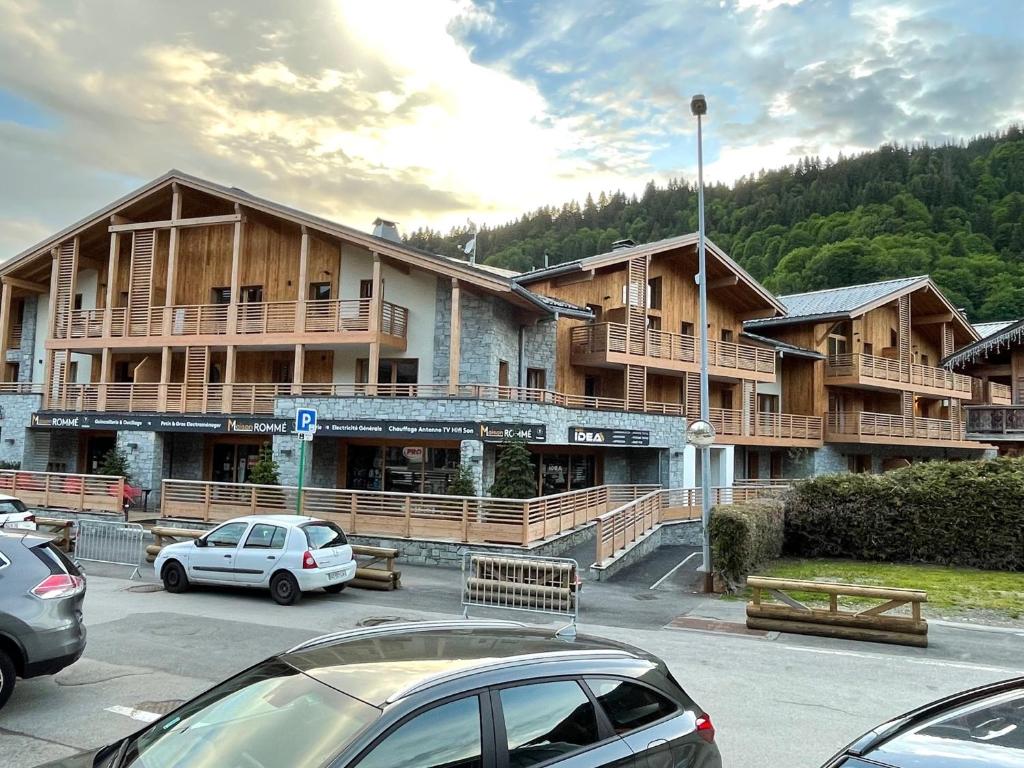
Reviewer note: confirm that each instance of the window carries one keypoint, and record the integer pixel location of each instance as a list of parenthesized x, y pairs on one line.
[(598, 310), (220, 296), (123, 372), (366, 289), (264, 536), (281, 372), (227, 535), (319, 291), (894, 337), (591, 386), (654, 322), (448, 735), (727, 335), (536, 378), (686, 328), (324, 535), (767, 403), (836, 345), (727, 399), (654, 293), (859, 463), (251, 294), (390, 371), (122, 299), (547, 721), (78, 301), (503, 373), (925, 360), (73, 372), (869, 348), (630, 706)]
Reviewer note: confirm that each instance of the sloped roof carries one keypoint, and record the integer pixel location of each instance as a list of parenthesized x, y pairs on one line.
[(987, 329), (784, 347), (837, 302), (1010, 334)]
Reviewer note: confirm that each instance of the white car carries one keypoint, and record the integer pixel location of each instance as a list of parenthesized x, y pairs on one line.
[(14, 514), (289, 554)]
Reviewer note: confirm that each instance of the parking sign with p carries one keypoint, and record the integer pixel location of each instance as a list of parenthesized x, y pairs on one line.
[(305, 420)]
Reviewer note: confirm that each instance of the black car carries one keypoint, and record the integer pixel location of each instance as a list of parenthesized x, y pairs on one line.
[(457, 694), (980, 727), (41, 594)]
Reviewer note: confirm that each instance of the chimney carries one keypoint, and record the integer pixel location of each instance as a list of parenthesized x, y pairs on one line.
[(386, 229), (618, 245)]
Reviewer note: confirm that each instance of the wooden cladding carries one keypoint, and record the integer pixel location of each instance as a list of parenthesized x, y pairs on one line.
[(140, 286), (636, 305), (636, 387), (904, 329)]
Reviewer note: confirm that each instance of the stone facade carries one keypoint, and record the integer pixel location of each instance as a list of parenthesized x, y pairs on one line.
[(183, 455), (14, 429), (25, 353), (145, 453)]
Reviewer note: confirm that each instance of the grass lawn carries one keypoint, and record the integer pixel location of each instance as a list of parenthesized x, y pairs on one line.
[(950, 590)]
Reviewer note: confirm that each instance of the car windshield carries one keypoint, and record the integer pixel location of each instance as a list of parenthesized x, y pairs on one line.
[(324, 535), (271, 716), (10, 506)]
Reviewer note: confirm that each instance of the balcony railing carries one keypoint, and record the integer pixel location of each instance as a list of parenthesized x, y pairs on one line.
[(881, 370), (257, 318), (602, 338), (996, 421), (862, 424), (258, 398), (14, 339), (779, 426)]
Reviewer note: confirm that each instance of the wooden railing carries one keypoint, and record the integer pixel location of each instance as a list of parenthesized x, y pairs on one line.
[(611, 337), (271, 317), (20, 388), (992, 421), (382, 513), (883, 369), (258, 398), (863, 424), (1000, 394), (71, 491), (781, 426), (14, 338)]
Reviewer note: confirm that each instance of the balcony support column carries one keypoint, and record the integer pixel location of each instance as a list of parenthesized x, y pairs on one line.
[(455, 340), (227, 404), (303, 295), (172, 261), (51, 325), (236, 274), (299, 369), (101, 396), (112, 270), (376, 303), (6, 299), (165, 377)]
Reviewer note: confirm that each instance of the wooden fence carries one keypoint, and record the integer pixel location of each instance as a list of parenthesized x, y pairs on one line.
[(103, 493)]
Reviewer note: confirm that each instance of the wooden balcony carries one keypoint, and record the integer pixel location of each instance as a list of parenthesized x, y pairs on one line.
[(258, 398), (334, 320), (776, 429), (872, 372), (893, 429), (990, 393), (996, 423), (607, 345)]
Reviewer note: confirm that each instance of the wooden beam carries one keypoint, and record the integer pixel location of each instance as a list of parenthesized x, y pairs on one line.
[(300, 306), (51, 323), (455, 339), (941, 317), (236, 273), (112, 269), (375, 310), (24, 285), (172, 260), (229, 378), (6, 296), (198, 221), (165, 375), (756, 314), (723, 282), (299, 369), (576, 277)]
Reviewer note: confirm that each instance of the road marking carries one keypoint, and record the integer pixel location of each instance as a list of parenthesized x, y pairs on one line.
[(689, 557), (907, 659), (135, 714)]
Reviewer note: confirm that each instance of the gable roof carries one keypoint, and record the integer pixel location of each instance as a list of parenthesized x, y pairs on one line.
[(649, 249), (784, 348), (1011, 333), (987, 329), (483, 277), (839, 302)]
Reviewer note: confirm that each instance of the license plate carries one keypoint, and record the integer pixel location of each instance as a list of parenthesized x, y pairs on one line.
[(334, 575)]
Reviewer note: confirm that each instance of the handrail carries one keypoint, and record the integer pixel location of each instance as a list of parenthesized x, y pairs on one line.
[(868, 424), (887, 369), (784, 426)]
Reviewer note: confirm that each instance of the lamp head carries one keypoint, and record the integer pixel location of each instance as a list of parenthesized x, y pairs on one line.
[(699, 105)]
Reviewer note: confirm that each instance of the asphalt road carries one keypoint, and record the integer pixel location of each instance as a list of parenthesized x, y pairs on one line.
[(780, 700)]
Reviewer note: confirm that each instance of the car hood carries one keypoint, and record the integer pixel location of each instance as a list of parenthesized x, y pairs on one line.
[(81, 760), (181, 548), (920, 751)]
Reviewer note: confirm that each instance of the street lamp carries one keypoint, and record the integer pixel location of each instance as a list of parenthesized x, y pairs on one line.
[(699, 108)]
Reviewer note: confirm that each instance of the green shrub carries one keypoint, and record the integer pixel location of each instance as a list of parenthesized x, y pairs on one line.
[(462, 484), (966, 513), (514, 474), (265, 470), (115, 463), (745, 537)]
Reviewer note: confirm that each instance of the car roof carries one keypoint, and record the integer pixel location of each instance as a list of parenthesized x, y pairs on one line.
[(390, 662), (292, 520), (8, 497)]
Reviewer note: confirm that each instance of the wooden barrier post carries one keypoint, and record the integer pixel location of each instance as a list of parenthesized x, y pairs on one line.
[(465, 520), (526, 523)]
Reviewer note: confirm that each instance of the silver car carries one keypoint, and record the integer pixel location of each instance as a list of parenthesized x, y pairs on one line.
[(41, 594), (287, 554)]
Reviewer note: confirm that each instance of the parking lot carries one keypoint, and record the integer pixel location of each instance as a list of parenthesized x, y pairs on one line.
[(776, 700)]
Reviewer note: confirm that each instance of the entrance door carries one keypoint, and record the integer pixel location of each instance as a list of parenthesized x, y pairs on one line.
[(753, 465), (96, 447), (233, 461)]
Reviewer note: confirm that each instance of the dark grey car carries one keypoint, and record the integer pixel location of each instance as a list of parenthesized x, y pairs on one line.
[(458, 694), (41, 594)]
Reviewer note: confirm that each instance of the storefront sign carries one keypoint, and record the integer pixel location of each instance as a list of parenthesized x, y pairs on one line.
[(601, 436), (490, 432)]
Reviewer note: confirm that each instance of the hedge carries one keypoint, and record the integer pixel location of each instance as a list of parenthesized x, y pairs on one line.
[(966, 513), (745, 536)]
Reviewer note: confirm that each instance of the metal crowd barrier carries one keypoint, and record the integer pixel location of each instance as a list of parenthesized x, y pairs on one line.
[(522, 583), (117, 543)]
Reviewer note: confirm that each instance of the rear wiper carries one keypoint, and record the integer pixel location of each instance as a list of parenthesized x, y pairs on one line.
[(122, 751)]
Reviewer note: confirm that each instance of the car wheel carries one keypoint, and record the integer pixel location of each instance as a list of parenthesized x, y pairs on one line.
[(6, 678), (174, 577), (285, 589), (333, 589)]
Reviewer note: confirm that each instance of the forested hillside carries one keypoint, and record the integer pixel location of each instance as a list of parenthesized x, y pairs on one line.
[(955, 212)]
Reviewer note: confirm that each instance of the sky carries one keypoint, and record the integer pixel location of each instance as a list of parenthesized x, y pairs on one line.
[(433, 112)]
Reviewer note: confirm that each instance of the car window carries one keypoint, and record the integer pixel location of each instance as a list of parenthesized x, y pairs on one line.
[(323, 535), (227, 535), (448, 735), (547, 721), (245, 718), (630, 706), (11, 506), (263, 536)]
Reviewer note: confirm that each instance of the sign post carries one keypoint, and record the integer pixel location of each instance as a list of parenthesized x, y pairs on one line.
[(305, 426)]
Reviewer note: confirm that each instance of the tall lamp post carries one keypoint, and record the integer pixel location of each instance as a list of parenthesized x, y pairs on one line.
[(702, 435)]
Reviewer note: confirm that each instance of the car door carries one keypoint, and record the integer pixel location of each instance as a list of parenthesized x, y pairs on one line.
[(658, 731), (215, 562), (260, 552), (554, 723)]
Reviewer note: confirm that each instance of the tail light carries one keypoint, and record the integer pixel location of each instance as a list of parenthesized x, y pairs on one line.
[(30, 519), (308, 561), (59, 585), (705, 728)]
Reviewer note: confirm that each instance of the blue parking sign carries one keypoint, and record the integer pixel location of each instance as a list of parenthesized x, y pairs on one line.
[(305, 420)]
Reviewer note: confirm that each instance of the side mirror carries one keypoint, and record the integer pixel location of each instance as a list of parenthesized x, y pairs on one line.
[(201, 542)]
